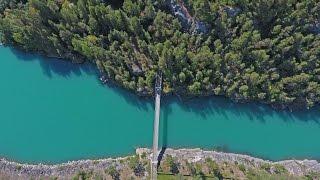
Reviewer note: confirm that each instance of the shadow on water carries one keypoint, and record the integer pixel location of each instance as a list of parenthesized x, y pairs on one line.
[(207, 107), (143, 103), (167, 110), (203, 106), (65, 68), (51, 66)]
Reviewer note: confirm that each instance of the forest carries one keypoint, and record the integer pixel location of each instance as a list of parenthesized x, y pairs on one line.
[(249, 50)]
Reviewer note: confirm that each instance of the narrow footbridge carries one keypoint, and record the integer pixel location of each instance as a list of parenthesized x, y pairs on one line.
[(154, 161)]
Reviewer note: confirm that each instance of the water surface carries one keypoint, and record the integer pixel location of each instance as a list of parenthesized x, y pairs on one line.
[(53, 111)]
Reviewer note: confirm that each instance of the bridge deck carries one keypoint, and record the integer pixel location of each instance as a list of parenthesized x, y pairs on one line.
[(154, 162)]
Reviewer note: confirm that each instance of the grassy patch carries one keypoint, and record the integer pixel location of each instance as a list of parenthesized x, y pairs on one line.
[(167, 177)]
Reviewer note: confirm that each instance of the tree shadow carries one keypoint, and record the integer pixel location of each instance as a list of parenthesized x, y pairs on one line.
[(167, 110), (65, 68), (207, 107), (51, 66), (202, 106), (160, 157), (142, 103)]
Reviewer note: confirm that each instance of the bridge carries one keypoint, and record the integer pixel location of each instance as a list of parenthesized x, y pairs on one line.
[(154, 161)]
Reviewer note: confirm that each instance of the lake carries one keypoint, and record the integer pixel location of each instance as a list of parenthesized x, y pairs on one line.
[(53, 111)]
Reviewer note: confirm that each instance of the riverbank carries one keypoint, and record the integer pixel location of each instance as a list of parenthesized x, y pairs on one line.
[(181, 93), (15, 170), (128, 165), (219, 62)]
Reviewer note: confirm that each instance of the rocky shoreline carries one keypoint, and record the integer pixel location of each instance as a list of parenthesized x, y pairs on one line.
[(294, 167), (58, 170), (65, 170)]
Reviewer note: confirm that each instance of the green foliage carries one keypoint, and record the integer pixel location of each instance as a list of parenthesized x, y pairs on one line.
[(254, 50), (82, 175), (10, 4), (312, 175), (213, 168), (113, 172), (256, 174), (173, 166), (279, 169), (136, 166), (242, 168), (266, 167)]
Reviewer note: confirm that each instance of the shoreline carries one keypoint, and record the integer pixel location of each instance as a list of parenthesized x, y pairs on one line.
[(180, 93), (294, 167)]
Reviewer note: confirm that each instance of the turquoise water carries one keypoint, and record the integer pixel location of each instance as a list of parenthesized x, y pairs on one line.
[(53, 111)]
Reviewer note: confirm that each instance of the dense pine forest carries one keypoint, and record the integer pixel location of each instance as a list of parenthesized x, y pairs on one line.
[(261, 50)]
